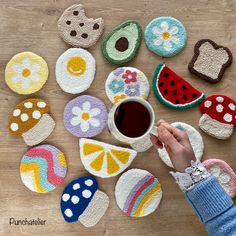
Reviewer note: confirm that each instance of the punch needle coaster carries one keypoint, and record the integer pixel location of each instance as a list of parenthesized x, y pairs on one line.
[(122, 44), (85, 116), (173, 91), (194, 137), (82, 201), (104, 160), (223, 173), (138, 193), (43, 168), (143, 144), (31, 121), (77, 29), (75, 70), (165, 36), (26, 73), (125, 82)]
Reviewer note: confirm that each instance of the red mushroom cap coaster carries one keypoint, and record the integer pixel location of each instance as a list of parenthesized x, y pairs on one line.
[(219, 116), (223, 173)]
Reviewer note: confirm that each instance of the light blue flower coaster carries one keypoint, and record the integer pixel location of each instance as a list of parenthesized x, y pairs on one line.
[(165, 36)]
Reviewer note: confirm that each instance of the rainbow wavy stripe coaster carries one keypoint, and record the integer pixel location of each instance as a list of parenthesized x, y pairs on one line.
[(138, 193), (43, 168)]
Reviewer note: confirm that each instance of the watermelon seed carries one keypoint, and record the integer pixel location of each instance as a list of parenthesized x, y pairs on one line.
[(161, 84), (185, 97), (166, 75), (175, 92), (184, 87), (172, 83), (177, 101), (194, 95), (166, 91)]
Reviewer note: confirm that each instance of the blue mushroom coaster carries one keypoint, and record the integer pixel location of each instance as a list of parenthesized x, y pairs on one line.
[(165, 36)]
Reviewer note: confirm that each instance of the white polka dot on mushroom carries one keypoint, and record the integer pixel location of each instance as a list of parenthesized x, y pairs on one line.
[(86, 193), (219, 108), (207, 104), (227, 117), (24, 117), (65, 197), (36, 115), (76, 186), (41, 104), (68, 212), (219, 99), (75, 199), (88, 182), (28, 104), (232, 106), (16, 112), (14, 126)]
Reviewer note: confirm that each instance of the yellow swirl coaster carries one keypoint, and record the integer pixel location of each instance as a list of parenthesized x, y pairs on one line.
[(26, 73)]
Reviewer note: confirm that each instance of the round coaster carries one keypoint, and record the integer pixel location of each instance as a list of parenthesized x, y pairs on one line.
[(85, 116), (126, 82), (194, 137), (138, 193), (43, 168), (165, 36), (142, 145), (75, 70), (26, 73)]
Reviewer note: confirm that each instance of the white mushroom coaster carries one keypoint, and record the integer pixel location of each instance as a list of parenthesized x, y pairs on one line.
[(31, 121), (82, 201), (194, 137), (75, 70), (219, 116)]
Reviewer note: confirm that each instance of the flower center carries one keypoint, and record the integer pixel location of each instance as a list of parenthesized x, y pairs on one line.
[(166, 35), (85, 116), (26, 72)]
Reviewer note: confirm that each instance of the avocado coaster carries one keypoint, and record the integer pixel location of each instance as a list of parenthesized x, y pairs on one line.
[(103, 159), (165, 36), (223, 173), (78, 30), (85, 116), (219, 116), (122, 44), (31, 121), (125, 82), (210, 60), (43, 168), (75, 70), (82, 201), (26, 73), (194, 137), (173, 91), (142, 145), (138, 193)]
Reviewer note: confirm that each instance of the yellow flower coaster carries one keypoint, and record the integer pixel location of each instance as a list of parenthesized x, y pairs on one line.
[(104, 160), (26, 73)]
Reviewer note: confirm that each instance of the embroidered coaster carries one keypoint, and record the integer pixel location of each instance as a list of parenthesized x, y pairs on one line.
[(83, 201), (210, 60), (173, 91), (75, 70), (194, 137), (31, 121), (223, 173), (77, 29), (26, 73), (165, 36), (138, 193), (143, 144), (122, 44), (43, 168), (126, 82), (104, 160), (219, 116)]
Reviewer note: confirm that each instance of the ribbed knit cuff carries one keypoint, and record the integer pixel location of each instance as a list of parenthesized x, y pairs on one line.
[(208, 199)]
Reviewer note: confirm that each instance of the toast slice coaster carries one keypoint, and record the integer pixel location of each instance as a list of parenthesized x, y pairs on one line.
[(210, 60)]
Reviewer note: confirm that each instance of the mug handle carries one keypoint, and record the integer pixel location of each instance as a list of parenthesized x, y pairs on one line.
[(154, 131)]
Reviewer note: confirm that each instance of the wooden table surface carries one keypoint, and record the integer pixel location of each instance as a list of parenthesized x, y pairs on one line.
[(31, 25)]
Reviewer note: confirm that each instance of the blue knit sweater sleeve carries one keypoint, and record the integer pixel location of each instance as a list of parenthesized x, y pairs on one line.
[(214, 207)]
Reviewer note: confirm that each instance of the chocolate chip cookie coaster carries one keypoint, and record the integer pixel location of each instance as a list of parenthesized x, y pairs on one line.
[(31, 121), (194, 137), (138, 193), (75, 70), (103, 159), (43, 168), (26, 73), (82, 201), (165, 36), (173, 91), (77, 29), (122, 44), (210, 60), (125, 82), (219, 116), (223, 173)]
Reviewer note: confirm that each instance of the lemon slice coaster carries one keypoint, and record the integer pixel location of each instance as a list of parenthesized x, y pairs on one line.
[(104, 160)]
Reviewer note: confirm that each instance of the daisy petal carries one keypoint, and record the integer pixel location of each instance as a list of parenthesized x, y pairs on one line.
[(25, 83), (174, 39), (158, 41), (156, 31), (84, 126), (164, 26), (76, 111), (86, 106), (173, 30), (17, 68), (226, 188), (34, 77), (215, 171), (26, 63), (94, 122), (95, 111), (17, 78), (224, 178), (35, 68), (167, 46), (75, 121)]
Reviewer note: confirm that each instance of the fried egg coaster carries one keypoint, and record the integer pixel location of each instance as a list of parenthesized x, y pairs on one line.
[(26, 73), (194, 137), (75, 70), (43, 168), (104, 160), (138, 193), (82, 201), (31, 121), (125, 82)]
